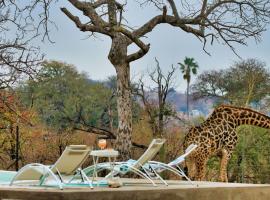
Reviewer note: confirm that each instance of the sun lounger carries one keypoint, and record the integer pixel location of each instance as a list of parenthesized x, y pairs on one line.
[(68, 164), (153, 168), (122, 168)]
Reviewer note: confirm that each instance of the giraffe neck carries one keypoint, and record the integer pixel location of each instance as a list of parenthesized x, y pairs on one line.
[(236, 116), (249, 117)]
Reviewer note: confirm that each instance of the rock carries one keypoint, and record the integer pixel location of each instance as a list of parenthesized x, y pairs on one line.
[(115, 182)]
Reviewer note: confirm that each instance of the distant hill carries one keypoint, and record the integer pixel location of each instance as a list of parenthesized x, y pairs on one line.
[(205, 106), (178, 100)]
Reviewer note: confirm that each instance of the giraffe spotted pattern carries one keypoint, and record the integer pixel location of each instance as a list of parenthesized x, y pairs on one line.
[(217, 136)]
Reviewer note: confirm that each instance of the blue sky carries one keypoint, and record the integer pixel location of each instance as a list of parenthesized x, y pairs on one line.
[(168, 44)]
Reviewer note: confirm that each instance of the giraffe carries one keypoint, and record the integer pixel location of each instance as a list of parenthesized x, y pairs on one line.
[(217, 136)]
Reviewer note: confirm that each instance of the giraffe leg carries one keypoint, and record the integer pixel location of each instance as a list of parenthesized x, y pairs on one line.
[(201, 169), (190, 163), (223, 177)]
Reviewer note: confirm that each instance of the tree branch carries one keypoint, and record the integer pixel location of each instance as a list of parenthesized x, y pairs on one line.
[(112, 12), (180, 23), (137, 55), (89, 11), (133, 38), (84, 27), (174, 9)]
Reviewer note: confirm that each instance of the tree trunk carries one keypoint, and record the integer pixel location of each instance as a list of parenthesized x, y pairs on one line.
[(17, 149), (161, 122), (188, 99), (162, 152), (123, 140), (118, 57), (110, 118)]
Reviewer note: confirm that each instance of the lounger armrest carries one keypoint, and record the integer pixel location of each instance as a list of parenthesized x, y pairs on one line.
[(78, 146), (156, 162), (77, 150)]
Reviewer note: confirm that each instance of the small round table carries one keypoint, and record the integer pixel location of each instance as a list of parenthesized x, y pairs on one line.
[(106, 153)]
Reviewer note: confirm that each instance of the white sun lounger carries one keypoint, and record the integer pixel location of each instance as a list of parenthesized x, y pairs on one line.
[(153, 168), (122, 168), (69, 163)]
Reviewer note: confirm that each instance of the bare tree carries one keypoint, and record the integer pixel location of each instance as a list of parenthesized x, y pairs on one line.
[(155, 102), (207, 20), (155, 99), (19, 25)]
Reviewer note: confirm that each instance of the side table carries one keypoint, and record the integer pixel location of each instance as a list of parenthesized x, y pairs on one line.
[(106, 153)]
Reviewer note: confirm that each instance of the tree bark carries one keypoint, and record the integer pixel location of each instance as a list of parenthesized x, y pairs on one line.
[(123, 140), (118, 57)]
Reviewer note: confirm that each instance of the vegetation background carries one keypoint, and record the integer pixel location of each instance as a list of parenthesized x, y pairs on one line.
[(61, 106), (46, 105)]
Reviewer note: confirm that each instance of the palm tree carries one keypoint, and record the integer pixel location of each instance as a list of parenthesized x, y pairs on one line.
[(188, 68)]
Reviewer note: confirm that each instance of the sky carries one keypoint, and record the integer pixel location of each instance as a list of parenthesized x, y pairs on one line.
[(168, 44)]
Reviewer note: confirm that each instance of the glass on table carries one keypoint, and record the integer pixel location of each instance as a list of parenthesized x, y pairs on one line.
[(102, 143)]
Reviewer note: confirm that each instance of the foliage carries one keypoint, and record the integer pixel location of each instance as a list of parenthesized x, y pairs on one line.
[(188, 68), (64, 98), (245, 82), (13, 115), (250, 160), (250, 163)]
